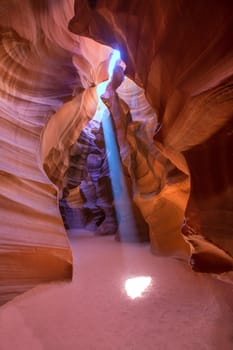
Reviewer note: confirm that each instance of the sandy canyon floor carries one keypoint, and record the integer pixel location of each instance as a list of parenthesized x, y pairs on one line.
[(179, 310)]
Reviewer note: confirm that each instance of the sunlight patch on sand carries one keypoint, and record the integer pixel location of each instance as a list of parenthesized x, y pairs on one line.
[(136, 286)]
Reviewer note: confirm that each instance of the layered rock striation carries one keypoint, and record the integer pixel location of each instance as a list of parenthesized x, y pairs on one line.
[(182, 55), (41, 64)]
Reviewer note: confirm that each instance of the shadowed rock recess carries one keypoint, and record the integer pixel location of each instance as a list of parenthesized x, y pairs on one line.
[(171, 116)]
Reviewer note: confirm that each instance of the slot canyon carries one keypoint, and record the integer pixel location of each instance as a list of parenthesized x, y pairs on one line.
[(116, 173)]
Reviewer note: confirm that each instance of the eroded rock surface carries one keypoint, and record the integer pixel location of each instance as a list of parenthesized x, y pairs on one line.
[(88, 201), (182, 54), (41, 64)]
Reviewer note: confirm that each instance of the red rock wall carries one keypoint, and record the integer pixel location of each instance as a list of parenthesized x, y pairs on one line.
[(42, 66), (181, 52), (47, 96), (34, 246)]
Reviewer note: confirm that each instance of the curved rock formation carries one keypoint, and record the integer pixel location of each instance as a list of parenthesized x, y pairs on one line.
[(183, 58), (47, 95), (34, 246), (42, 66)]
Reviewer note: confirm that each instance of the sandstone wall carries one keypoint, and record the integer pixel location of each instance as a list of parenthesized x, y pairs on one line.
[(181, 53)]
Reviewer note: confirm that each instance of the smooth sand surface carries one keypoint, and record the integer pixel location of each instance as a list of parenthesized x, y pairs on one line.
[(179, 310)]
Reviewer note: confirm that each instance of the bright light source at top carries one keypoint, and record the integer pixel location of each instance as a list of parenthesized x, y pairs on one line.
[(136, 286), (115, 57)]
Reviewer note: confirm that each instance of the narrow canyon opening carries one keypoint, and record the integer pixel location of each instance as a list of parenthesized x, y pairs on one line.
[(98, 189)]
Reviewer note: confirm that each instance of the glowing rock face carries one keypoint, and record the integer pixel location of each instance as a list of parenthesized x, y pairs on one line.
[(136, 286)]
